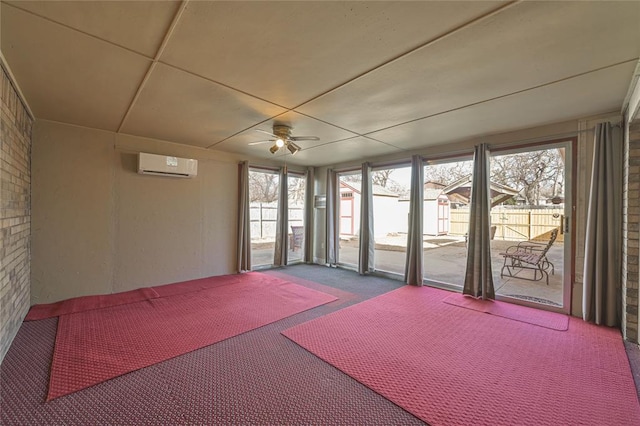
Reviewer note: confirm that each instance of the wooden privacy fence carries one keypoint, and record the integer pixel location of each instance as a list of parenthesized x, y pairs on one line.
[(513, 224)]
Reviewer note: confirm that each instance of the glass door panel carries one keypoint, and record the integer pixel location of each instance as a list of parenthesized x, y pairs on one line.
[(528, 211), (295, 229), (391, 189), (447, 192), (349, 214), (263, 198)]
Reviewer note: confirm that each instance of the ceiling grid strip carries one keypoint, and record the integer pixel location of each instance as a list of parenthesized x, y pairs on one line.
[(146, 77)]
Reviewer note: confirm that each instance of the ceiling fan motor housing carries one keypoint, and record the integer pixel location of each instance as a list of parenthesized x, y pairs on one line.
[(282, 131)]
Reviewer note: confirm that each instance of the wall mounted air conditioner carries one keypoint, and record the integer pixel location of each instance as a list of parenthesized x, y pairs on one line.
[(162, 165)]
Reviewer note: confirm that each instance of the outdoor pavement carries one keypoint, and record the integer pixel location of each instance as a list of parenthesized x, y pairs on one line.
[(445, 262)]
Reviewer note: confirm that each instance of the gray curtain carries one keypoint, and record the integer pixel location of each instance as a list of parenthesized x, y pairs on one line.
[(332, 205), (282, 220), (601, 297), (413, 266), (366, 262), (478, 281), (244, 220), (309, 196)]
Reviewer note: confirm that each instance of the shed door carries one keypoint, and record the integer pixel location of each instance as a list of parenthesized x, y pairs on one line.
[(443, 217)]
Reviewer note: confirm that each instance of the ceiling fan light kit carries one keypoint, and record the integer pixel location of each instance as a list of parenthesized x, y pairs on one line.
[(293, 148), (282, 137)]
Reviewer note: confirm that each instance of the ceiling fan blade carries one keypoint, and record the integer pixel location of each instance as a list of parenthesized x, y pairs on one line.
[(265, 132), (260, 142), (304, 138)]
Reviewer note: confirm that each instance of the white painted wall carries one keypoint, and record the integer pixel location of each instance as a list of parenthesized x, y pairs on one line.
[(99, 227)]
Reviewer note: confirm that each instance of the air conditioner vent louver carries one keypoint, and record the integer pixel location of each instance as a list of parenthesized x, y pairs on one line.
[(162, 165)]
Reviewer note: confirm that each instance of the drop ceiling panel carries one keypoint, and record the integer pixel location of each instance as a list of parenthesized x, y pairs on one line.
[(67, 76), (180, 107), (301, 126), (288, 52), (530, 44), (578, 97), (471, 82), (354, 149), (137, 25)]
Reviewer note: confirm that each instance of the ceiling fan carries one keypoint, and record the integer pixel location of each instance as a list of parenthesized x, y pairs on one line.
[(281, 136)]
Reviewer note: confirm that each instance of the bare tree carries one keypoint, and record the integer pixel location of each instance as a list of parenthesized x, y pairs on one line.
[(263, 186), (535, 174), (296, 190), (381, 177), (378, 177), (448, 173)]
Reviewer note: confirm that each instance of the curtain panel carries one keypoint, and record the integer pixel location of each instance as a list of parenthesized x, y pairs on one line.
[(478, 280), (332, 205), (366, 261), (601, 297), (243, 241), (309, 214), (413, 266), (282, 220)]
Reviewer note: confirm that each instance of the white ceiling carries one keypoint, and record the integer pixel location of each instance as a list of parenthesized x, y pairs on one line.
[(368, 78)]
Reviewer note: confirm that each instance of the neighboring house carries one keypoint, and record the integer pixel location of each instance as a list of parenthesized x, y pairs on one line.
[(460, 191)]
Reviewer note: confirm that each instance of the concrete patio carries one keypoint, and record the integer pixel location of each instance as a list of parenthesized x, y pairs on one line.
[(445, 262)]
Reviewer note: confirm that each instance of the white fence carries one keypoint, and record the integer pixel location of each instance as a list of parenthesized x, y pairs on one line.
[(263, 219)]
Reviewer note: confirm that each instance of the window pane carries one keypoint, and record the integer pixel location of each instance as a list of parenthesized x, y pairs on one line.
[(391, 188), (296, 217), (349, 212), (263, 197), (447, 191)]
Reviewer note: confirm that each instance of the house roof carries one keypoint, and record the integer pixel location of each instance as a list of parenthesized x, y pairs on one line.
[(381, 190), (432, 194), (377, 189), (462, 191), (368, 79)]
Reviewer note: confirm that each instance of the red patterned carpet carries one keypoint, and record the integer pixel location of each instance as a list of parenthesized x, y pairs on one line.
[(94, 345), (452, 366), (256, 378), (86, 303), (533, 316)]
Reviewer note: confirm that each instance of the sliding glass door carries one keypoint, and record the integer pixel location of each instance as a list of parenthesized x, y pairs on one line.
[(263, 197), (447, 193), (391, 188), (531, 207)]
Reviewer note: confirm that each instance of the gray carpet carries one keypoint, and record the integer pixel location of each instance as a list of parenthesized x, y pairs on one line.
[(259, 377)]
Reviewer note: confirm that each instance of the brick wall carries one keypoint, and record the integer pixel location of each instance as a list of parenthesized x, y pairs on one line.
[(15, 212), (630, 232)]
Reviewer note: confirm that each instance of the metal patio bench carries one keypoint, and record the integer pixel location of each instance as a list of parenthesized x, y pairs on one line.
[(529, 255)]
